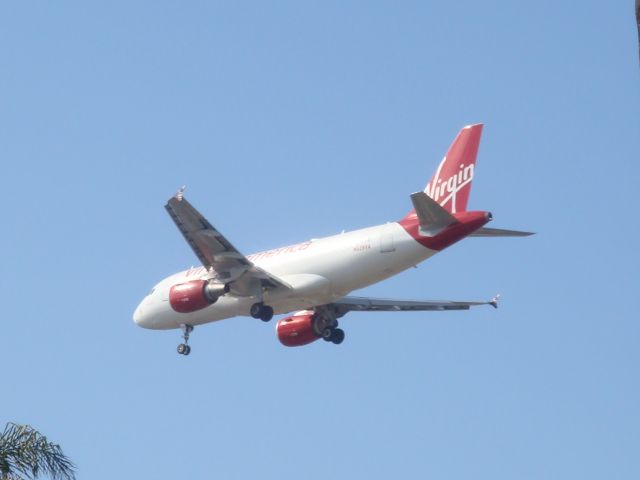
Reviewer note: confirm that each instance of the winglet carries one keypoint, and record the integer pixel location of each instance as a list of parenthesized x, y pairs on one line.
[(494, 301)]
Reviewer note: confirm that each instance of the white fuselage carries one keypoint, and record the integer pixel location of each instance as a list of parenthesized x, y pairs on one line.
[(319, 272)]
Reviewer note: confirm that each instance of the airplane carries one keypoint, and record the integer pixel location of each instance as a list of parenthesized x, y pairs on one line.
[(312, 280)]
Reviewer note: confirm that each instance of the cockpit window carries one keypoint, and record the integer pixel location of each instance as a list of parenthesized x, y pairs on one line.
[(151, 292)]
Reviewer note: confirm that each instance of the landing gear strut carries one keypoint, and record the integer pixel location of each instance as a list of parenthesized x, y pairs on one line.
[(184, 348), (261, 311)]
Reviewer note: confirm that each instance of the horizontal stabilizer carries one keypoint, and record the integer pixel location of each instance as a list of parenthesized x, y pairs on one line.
[(498, 232), (433, 218)]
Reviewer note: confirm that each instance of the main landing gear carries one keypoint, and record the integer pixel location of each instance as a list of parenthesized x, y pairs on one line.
[(261, 311), (325, 324), (333, 335), (184, 348)]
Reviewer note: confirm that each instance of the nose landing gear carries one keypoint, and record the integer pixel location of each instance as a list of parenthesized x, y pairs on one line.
[(184, 348)]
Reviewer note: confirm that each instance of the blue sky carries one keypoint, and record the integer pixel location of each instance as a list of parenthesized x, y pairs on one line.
[(292, 120)]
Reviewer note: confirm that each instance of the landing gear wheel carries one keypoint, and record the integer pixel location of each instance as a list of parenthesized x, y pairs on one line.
[(256, 310), (188, 350), (338, 336), (267, 313), (261, 311), (327, 334), (182, 349)]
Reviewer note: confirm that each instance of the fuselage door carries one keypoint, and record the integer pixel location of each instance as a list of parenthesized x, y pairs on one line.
[(386, 239)]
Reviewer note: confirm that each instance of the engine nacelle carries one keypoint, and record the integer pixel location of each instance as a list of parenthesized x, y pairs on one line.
[(297, 330), (195, 295)]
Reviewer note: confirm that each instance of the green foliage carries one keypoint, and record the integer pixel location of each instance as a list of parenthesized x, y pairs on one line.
[(26, 454)]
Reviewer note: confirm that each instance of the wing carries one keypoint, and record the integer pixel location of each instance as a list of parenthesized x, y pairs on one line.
[(214, 251), (365, 304)]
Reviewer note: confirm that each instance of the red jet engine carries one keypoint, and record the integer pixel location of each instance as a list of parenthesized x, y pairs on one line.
[(195, 295), (297, 330)]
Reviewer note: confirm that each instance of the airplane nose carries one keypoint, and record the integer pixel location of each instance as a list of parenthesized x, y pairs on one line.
[(139, 317)]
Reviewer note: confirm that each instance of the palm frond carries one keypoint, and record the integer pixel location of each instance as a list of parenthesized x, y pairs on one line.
[(25, 454)]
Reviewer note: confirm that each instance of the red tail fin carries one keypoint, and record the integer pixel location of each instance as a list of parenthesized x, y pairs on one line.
[(451, 184)]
